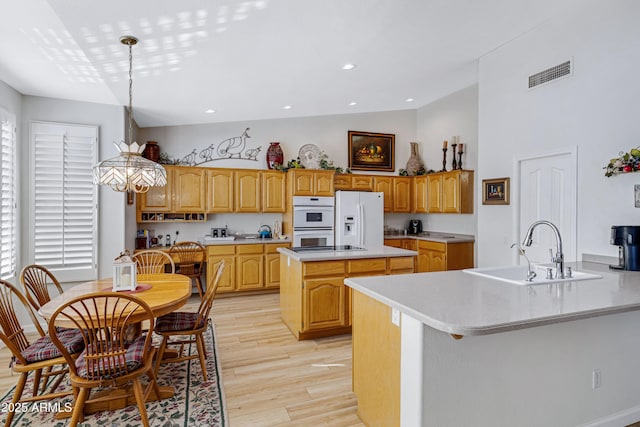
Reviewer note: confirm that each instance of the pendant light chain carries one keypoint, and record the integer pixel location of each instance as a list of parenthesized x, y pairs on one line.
[(130, 90)]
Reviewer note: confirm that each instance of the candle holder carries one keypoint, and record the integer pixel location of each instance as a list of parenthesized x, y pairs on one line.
[(460, 152), (454, 165), (444, 160)]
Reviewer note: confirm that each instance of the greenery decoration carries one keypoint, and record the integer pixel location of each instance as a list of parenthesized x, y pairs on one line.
[(625, 162)]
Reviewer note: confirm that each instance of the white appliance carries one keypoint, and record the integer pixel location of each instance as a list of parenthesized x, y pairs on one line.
[(313, 221), (360, 218)]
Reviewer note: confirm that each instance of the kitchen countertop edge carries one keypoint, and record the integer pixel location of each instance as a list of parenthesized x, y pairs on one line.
[(434, 236), (383, 252)]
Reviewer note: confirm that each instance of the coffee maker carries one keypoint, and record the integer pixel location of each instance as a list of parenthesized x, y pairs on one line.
[(627, 238), (415, 226)]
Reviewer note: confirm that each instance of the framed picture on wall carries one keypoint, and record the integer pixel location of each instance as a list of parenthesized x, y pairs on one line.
[(371, 151), (495, 191)]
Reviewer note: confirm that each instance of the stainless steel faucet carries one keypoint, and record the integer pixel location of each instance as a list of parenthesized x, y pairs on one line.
[(531, 274), (558, 259)]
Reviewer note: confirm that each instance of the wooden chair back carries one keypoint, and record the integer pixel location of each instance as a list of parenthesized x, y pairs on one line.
[(204, 309), (105, 321), (36, 280), (153, 262), (189, 257)]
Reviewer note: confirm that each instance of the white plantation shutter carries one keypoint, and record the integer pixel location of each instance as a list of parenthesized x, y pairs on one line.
[(64, 199), (8, 216)]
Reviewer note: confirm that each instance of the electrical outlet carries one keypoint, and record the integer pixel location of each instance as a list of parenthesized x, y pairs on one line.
[(395, 316), (596, 379)]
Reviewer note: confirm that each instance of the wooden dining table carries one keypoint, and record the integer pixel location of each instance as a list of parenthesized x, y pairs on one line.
[(163, 293)]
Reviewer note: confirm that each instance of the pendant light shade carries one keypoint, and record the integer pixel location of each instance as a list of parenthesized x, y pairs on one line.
[(130, 171)]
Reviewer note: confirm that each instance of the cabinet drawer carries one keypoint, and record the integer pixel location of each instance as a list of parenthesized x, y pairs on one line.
[(359, 266), (249, 249), (221, 250), (323, 268), (433, 246), (403, 263), (272, 248), (362, 182)]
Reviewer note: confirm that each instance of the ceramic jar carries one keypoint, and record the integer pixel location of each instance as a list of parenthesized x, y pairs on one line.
[(414, 163), (151, 151), (274, 155)]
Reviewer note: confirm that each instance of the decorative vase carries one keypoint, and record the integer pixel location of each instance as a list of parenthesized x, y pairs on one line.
[(414, 163), (275, 156), (152, 151)]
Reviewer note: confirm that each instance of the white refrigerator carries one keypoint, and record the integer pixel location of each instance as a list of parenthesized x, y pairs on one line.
[(359, 219)]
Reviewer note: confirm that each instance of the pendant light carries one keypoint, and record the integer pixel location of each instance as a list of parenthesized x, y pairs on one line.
[(129, 171)]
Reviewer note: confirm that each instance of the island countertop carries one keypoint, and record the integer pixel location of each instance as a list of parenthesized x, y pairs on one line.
[(459, 303), (381, 252)]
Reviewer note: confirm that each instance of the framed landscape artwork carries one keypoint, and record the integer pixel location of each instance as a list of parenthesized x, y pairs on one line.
[(495, 191), (371, 151)]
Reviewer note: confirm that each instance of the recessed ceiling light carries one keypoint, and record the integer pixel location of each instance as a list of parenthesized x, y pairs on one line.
[(210, 111), (348, 66), (409, 99), (352, 103), (287, 107)]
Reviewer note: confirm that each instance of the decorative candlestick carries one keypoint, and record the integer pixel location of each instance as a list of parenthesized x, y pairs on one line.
[(454, 165), (444, 159), (460, 152)]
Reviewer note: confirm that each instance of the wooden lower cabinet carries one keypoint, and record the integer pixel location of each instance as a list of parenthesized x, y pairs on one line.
[(438, 256), (410, 244), (314, 301), (252, 267)]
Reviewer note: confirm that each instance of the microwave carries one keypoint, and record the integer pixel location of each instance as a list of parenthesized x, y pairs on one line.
[(313, 212)]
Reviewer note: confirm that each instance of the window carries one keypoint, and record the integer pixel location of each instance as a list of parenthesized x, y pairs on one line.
[(8, 216), (64, 210)]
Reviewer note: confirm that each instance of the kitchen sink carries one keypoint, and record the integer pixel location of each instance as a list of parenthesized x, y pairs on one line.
[(517, 274)]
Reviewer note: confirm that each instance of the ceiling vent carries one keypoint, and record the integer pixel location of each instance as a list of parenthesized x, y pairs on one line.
[(551, 74)]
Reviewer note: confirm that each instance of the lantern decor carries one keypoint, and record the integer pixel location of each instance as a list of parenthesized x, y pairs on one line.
[(124, 273)]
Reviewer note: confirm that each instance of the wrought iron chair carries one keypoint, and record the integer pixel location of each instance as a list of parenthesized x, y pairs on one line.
[(111, 356), (34, 357), (189, 258), (191, 324), (153, 262)]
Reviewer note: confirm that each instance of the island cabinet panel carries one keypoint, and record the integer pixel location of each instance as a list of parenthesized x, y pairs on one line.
[(189, 189), (376, 362), (220, 190), (324, 303), (401, 265)]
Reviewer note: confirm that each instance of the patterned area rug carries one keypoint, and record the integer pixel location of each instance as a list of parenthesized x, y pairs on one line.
[(196, 403)]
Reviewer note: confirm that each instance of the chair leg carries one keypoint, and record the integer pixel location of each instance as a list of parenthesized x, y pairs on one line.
[(37, 376), (16, 396), (137, 390), (78, 407), (203, 364), (160, 354), (199, 285), (153, 381)]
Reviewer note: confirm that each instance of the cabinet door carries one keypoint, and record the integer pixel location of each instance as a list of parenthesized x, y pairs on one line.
[(189, 189), (342, 182), (432, 256), (420, 194), (323, 303), (272, 271), (249, 272), (402, 194), (362, 182), (409, 244), (157, 199), (437, 261), (385, 184), (451, 193), (247, 191), (395, 243), (302, 182), (273, 191), (434, 193), (220, 190), (228, 279), (323, 183)]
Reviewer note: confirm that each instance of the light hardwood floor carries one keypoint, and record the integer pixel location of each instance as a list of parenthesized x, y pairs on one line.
[(270, 378)]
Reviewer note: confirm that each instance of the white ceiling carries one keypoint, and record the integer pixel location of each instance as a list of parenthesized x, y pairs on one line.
[(248, 59)]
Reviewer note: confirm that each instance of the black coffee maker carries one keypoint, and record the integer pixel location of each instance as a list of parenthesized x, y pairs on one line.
[(627, 238), (415, 226)]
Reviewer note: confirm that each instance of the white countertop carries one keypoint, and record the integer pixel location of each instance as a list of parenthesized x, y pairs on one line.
[(213, 242), (434, 236), (382, 252), (460, 303)]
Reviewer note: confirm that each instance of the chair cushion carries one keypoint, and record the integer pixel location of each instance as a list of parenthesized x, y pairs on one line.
[(132, 359), (178, 321), (44, 349)]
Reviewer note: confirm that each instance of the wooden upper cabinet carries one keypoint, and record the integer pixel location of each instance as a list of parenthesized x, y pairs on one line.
[(457, 192), (342, 181), (307, 182), (248, 191), (157, 199), (402, 194), (189, 189), (345, 181), (273, 191), (385, 185), (434, 193), (323, 183), (420, 185), (220, 192)]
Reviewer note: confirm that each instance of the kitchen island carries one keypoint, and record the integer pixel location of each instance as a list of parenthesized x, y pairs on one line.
[(476, 351), (313, 298)]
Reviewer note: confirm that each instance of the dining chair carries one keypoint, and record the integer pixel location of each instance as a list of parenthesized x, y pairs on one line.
[(111, 357), (191, 324), (190, 257), (153, 262), (36, 280), (34, 357)]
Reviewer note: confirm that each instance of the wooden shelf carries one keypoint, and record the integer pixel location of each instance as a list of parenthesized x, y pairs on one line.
[(172, 217)]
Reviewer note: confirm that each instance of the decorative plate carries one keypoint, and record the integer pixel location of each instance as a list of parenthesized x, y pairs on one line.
[(309, 156)]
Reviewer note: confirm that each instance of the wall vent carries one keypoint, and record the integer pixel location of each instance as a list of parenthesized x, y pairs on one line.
[(550, 74)]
